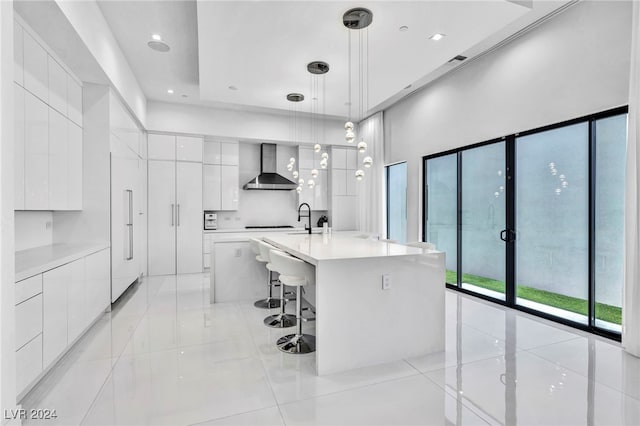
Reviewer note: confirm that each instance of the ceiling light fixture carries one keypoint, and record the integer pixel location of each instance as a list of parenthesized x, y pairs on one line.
[(403, 28), (357, 19), (317, 71), (170, 91), (295, 98), (437, 36), (233, 87), (157, 44)]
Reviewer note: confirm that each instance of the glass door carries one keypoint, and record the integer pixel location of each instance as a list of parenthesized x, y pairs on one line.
[(482, 207), (552, 222), (441, 209)]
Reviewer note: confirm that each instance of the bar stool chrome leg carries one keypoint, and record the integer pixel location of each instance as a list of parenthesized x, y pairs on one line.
[(282, 319), (298, 343), (270, 302)]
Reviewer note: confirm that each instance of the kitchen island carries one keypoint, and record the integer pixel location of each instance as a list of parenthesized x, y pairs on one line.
[(358, 322)]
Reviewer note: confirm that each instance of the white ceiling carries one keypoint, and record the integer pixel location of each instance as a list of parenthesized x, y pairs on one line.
[(262, 47)]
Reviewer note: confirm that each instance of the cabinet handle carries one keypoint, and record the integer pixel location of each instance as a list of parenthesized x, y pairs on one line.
[(172, 213), (130, 229)]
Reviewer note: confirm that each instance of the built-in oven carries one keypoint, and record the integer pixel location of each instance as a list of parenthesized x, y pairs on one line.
[(210, 220)]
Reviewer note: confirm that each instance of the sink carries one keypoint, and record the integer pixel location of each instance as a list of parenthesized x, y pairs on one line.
[(319, 231)]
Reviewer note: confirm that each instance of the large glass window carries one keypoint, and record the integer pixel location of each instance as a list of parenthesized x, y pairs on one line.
[(397, 202), (441, 174), (536, 220)]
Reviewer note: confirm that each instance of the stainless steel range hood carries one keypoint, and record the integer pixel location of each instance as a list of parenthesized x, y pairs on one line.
[(269, 179)]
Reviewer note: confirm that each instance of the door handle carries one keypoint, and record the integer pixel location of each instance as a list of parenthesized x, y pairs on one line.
[(172, 214), (508, 235)]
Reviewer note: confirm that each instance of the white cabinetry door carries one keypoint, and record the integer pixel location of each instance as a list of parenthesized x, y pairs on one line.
[(305, 158), (28, 363), (189, 217), (57, 86), (74, 97), (229, 153), (76, 301), (162, 217), (212, 181), (35, 68), (229, 177), (18, 146), (28, 316), (344, 213), (338, 182), (212, 152), (74, 163), (320, 191), (54, 329), (161, 147), (188, 148), (338, 158), (58, 164), (352, 159), (98, 283), (18, 54), (36, 171)]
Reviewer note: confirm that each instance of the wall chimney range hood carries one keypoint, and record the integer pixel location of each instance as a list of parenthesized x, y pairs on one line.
[(269, 179)]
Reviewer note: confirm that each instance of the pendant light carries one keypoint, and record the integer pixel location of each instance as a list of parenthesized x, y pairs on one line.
[(317, 71), (295, 98), (358, 19)]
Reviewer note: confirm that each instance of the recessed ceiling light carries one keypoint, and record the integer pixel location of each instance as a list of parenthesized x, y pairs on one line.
[(184, 96), (408, 86), (170, 91), (437, 36), (233, 88), (157, 44), (403, 28)]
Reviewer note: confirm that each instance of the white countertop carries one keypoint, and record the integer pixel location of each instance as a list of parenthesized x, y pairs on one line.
[(41, 259), (244, 230), (339, 246)]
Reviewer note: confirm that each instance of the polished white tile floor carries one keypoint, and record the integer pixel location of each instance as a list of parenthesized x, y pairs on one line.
[(164, 355)]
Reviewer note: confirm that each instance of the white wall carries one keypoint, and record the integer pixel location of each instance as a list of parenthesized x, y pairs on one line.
[(572, 65), (7, 249), (33, 229), (235, 124)]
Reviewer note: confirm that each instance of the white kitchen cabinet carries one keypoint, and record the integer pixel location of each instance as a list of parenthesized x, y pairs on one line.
[(161, 147), (206, 251), (58, 161), (54, 327), (74, 100), (352, 159), (188, 217), (188, 148), (28, 320), (229, 192), (305, 158), (345, 213), (338, 158), (162, 220), (229, 153), (98, 283), (74, 166), (36, 67), (211, 153), (338, 182), (76, 301), (316, 197), (18, 53), (28, 363), (175, 217), (28, 288), (19, 147), (57, 86), (212, 187), (36, 153)]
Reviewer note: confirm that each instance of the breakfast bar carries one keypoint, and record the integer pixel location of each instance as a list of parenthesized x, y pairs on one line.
[(375, 301)]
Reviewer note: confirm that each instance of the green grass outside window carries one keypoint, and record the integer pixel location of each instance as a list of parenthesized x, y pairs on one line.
[(604, 312)]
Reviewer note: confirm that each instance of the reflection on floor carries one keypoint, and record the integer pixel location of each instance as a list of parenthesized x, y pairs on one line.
[(164, 355)]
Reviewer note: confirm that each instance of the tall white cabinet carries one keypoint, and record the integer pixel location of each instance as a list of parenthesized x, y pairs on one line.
[(175, 204), (48, 128), (220, 176), (316, 197), (344, 197)]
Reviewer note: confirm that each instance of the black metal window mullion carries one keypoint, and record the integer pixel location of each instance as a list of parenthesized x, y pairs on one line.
[(459, 220), (592, 223), (510, 220)]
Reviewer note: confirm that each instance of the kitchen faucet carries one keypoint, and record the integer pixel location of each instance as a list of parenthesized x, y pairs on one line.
[(308, 215)]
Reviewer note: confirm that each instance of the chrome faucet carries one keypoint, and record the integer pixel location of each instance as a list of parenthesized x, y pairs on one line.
[(308, 215)]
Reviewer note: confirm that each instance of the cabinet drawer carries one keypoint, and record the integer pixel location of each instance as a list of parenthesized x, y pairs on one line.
[(28, 320), (28, 363), (28, 288)]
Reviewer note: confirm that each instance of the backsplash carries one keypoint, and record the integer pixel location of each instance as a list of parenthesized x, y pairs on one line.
[(33, 229)]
